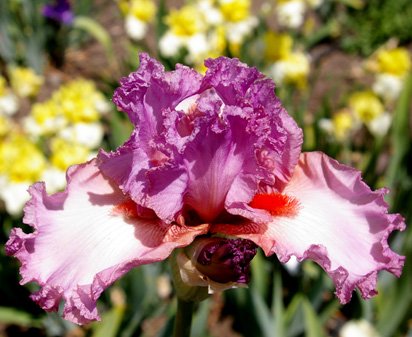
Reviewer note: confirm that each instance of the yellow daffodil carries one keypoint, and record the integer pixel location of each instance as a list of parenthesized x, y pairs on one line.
[(235, 10), (25, 82), (396, 61), (20, 159), (77, 101), (185, 21), (366, 106), (3, 86), (293, 70), (66, 153), (277, 46), (5, 126), (143, 10), (342, 123)]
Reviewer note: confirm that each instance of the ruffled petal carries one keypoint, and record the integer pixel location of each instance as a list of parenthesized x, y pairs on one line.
[(126, 167), (230, 77), (339, 223), (210, 143), (85, 238), (144, 94)]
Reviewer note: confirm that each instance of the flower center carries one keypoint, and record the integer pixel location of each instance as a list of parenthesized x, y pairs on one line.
[(277, 204), (226, 260)]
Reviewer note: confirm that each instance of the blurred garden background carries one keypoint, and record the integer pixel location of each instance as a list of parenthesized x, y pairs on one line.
[(342, 70)]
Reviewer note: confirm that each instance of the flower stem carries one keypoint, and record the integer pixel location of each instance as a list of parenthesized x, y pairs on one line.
[(183, 320)]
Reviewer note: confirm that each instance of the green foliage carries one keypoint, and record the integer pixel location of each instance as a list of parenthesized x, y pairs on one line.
[(379, 20), (278, 302)]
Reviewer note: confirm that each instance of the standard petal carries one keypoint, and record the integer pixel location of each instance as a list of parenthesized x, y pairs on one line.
[(230, 77), (84, 239), (144, 94), (340, 223), (126, 167)]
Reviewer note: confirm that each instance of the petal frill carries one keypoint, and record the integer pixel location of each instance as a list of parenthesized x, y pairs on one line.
[(84, 239), (144, 94), (230, 77), (280, 138), (340, 223)]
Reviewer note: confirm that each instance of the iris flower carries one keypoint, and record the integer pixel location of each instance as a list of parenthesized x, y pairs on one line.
[(60, 11), (214, 164)]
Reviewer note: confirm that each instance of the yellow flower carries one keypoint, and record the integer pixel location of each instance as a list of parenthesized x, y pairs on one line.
[(25, 82), (219, 41), (395, 61), (123, 6), (186, 21), (77, 101), (20, 159), (217, 47), (66, 153), (277, 46), (366, 106), (143, 10), (3, 86), (342, 123), (235, 10), (5, 126), (45, 111), (47, 117), (292, 70)]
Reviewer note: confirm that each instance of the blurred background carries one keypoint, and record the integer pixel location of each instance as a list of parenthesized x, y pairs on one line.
[(343, 71)]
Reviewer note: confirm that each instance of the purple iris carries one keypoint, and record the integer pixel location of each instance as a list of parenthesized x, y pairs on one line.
[(212, 169), (60, 11)]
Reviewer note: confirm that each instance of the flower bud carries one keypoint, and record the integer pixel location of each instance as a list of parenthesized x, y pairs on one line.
[(225, 260), (212, 264)]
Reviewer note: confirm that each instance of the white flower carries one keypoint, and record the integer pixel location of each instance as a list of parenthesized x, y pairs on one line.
[(212, 15), (292, 266), (102, 105), (135, 28), (197, 46), (293, 69), (290, 14), (388, 86), (8, 104), (170, 44), (50, 125), (360, 328), (54, 178), (326, 125), (14, 195), (379, 126), (237, 31), (87, 134)]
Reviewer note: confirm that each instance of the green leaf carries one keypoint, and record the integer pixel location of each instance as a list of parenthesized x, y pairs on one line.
[(199, 325), (260, 274), (400, 134), (120, 130), (278, 310), (96, 30), (312, 322), (110, 323), (293, 316), (263, 315), (14, 316), (393, 309)]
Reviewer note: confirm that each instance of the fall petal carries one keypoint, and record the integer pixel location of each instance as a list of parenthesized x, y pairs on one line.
[(84, 239), (339, 223)]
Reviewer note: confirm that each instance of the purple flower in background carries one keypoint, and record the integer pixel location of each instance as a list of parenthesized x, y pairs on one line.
[(59, 11), (214, 166)]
